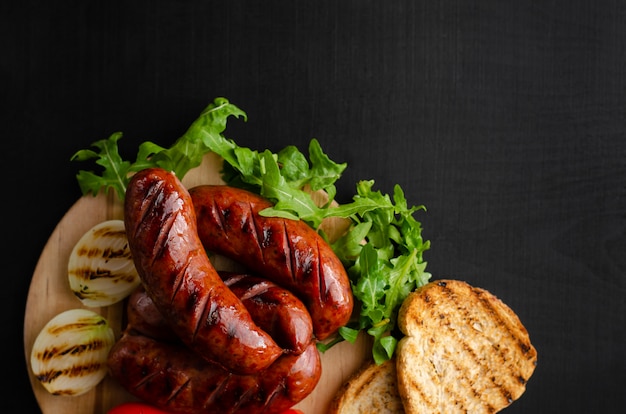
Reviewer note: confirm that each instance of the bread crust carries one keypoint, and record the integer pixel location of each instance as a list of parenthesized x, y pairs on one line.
[(372, 389), (465, 351)]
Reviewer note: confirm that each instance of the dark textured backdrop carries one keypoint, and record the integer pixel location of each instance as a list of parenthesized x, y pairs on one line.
[(506, 120)]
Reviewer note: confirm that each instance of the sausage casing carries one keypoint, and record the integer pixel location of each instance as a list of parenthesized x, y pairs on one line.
[(144, 317), (177, 380), (285, 251), (274, 309), (205, 314)]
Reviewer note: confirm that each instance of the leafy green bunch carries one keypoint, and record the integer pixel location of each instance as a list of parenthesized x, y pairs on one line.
[(382, 250)]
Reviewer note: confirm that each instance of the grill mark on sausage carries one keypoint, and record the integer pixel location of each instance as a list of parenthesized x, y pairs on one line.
[(179, 278), (259, 234), (220, 216), (150, 199), (255, 290), (274, 393), (203, 303), (231, 278), (246, 396), (320, 273), (177, 284), (145, 380), (210, 312), (291, 260), (217, 391), (176, 392), (161, 242), (145, 208)]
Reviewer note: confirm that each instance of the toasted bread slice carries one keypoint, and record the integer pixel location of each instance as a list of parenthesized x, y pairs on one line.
[(465, 351), (372, 389)]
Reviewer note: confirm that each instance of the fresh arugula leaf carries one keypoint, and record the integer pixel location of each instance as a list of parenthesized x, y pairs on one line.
[(294, 166), (388, 266), (186, 153), (289, 201), (115, 169)]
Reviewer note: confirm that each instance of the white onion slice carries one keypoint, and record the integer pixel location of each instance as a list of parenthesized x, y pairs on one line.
[(101, 271), (69, 355)]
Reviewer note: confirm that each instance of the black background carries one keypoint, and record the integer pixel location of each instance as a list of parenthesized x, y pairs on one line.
[(506, 119)]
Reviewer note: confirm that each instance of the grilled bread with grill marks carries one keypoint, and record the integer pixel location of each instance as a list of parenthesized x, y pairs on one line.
[(371, 390), (465, 351)]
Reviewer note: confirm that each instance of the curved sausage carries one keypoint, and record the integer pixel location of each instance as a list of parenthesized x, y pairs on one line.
[(276, 310), (176, 380), (288, 252), (162, 234)]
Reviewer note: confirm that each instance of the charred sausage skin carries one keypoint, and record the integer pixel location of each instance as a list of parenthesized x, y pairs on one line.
[(288, 252), (203, 312), (153, 365), (177, 380), (274, 309)]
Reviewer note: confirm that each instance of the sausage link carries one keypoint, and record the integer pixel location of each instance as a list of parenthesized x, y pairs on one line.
[(274, 309), (162, 234), (177, 380), (288, 252)]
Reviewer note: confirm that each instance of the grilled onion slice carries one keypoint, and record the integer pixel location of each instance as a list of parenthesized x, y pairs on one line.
[(101, 271), (69, 355)]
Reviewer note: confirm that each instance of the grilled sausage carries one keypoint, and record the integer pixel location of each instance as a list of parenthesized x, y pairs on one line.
[(162, 234), (177, 380), (276, 310), (288, 252)]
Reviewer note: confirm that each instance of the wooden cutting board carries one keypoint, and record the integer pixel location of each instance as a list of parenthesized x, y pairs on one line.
[(49, 294)]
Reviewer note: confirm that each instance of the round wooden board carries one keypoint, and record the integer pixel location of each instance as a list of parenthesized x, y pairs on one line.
[(49, 294)]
